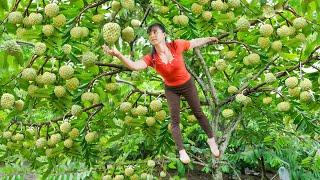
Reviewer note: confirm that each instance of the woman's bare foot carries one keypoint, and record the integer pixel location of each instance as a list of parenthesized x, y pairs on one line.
[(184, 156), (213, 147)]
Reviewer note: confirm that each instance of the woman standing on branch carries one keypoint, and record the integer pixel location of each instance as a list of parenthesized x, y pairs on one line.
[(167, 59)]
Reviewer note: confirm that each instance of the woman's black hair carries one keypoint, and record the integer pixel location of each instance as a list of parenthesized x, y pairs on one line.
[(161, 26)]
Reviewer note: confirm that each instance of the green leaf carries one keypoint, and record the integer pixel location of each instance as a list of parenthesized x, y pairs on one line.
[(4, 61), (181, 169), (172, 165), (288, 56), (4, 5)]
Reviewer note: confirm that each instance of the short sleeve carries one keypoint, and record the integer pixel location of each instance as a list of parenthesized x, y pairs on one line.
[(182, 45), (148, 59)]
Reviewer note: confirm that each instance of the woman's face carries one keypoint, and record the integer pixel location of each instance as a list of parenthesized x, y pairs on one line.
[(156, 35)]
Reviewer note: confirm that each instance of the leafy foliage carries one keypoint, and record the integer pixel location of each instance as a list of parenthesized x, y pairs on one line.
[(259, 135)]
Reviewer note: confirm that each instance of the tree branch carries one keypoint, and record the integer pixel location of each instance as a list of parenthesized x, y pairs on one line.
[(181, 7), (67, 115), (136, 89), (90, 84), (245, 85), (236, 42), (136, 37), (118, 66), (229, 132), (212, 89), (26, 10), (13, 9), (92, 5)]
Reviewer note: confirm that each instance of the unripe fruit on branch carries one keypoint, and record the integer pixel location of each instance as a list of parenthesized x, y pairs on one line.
[(160, 115), (276, 46), (74, 133), (182, 20), (59, 91), (66, 71), (59, 21), (111, 87), (150, 121), (51, 10), (291, 82), (12, 48), (263, 42), (72, 84), (128, 34), (135, 23), (40, 48), (206, 15), (115, 5), (68, 143), (191, 118), (90, 137), (125, 107), (48, 30), (98, 18), (301, 37), (232, 90), (7, 134), (15, 17), (242, 24), (79, 32), (128, 4), (41, 142), (267, 100), (305, 84), (234, 3), (7, 100), (32, 89), (266, 30), (66, 48), (29, 74), (269, 78), (76, 110), (156, 105), (230, 54), (227, 113), (196, 8), (163, 9), (129, 171), (217, 5), (151, 163), (284, 106), (220, 64), (89, 59), (295, 92), (111, 32), (299, 23), (19, 105), (305, 96), (65, 127)]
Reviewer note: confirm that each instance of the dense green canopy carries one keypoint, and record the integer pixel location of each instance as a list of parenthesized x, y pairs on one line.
[(69, 110)]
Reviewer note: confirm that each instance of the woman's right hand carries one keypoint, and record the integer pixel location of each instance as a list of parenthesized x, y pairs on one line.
[(112, 52)]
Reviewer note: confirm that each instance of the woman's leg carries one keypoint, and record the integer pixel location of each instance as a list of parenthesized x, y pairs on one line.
[(174, 108), (193, 100), (191, 95)]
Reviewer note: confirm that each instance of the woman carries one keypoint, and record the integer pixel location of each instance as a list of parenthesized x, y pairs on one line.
[(167, 60)]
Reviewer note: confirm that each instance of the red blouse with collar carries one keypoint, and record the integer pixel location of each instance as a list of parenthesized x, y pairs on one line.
[(174, 73)]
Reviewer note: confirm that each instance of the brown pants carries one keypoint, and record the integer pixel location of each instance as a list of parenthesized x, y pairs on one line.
[(189, 91)]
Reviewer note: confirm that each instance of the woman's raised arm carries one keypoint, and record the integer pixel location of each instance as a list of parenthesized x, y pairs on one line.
[(132, 65), (202, 41)]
